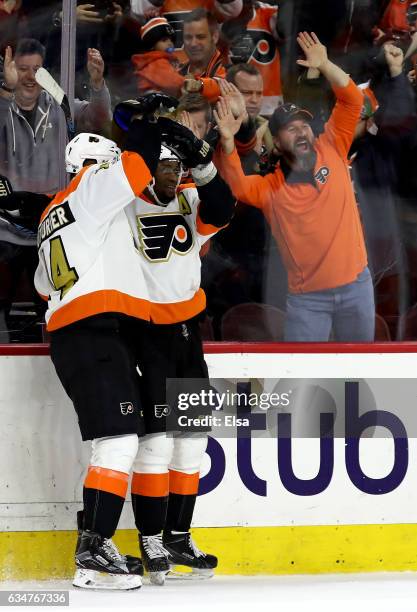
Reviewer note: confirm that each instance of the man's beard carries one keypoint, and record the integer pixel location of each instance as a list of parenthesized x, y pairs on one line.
[(307, 161), (301, 162)]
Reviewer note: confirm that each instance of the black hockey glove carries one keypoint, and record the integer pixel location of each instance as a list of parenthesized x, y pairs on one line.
[(144, 138), (7, 198), (213, 137), (27, 207), (191, 150), (145, 105)]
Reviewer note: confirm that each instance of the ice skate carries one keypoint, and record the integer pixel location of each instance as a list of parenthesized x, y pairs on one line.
[(101, 566), (134, 564), (183, 551), (155, 558)]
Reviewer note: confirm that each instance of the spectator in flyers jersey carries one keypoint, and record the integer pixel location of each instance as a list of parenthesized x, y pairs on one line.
[(201, 35), (255, 29), (157, 67), (310, 205), (394, 23), (175, 11)]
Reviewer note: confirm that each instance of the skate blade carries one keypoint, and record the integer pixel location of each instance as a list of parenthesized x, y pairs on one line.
[(91, 579), (157, 578), (188, 573)]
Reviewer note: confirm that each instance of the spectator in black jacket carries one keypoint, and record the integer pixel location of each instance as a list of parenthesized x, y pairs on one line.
[(381, 171)]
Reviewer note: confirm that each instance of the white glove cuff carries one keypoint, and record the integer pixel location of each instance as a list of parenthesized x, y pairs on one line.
[(204, 173)]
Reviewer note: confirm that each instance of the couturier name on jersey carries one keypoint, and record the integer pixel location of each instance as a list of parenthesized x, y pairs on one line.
[(58, 217)]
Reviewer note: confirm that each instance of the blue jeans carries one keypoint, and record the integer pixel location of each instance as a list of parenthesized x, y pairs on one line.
[(349, 310)]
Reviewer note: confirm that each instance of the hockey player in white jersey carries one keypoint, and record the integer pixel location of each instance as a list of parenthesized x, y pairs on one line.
[(90, 273), (170, 224), (94, 281)]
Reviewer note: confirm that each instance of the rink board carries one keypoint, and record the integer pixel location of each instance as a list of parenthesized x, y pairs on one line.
[(249, 519)]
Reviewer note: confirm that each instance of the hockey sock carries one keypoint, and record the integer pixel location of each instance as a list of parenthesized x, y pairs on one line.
[(104, 495), (150, 501), (183, 489)]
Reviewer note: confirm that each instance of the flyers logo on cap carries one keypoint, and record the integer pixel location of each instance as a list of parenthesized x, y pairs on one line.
[(160, 235)]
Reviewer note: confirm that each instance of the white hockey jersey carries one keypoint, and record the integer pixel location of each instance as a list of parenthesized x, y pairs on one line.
[(169, 240), (88, 262)]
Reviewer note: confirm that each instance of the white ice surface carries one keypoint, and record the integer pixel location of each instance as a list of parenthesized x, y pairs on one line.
[(324, 593)]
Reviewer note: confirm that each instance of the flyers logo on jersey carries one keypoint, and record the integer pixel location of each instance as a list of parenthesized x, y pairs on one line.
[(265, 46), (322, 174), (160, 235)]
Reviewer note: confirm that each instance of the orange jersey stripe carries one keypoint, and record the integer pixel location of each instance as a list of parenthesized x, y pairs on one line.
[(178, 311), (114, 301), (137, 172), (205, 249), (105, 300), (150, 485), (189, 185), (212, 70), (145, 197), (243, 148), (205, 229), (183, 484), (62, 195), (110, 481)]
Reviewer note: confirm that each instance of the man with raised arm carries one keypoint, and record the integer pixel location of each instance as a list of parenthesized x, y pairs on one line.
[(310, 204)]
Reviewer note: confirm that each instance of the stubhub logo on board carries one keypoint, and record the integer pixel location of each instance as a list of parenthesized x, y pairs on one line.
[(361, 418)]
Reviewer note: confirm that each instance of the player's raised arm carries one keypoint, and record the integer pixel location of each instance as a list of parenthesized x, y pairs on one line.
[(114, 181), (217, 202)]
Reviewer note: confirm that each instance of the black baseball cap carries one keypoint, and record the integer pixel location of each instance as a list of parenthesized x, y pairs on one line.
[(286, 113)]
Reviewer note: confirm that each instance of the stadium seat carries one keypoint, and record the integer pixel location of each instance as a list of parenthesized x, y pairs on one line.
[(253, 322), (382, 332), (206, 329), (409, 324)]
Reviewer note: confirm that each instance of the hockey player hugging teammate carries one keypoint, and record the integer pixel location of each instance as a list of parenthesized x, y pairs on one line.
[(166, 470), (102, 291), (88, 271)]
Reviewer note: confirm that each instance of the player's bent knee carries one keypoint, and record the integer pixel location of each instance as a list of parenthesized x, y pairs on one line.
[(115, 453), (188, 453), (154, 455)]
